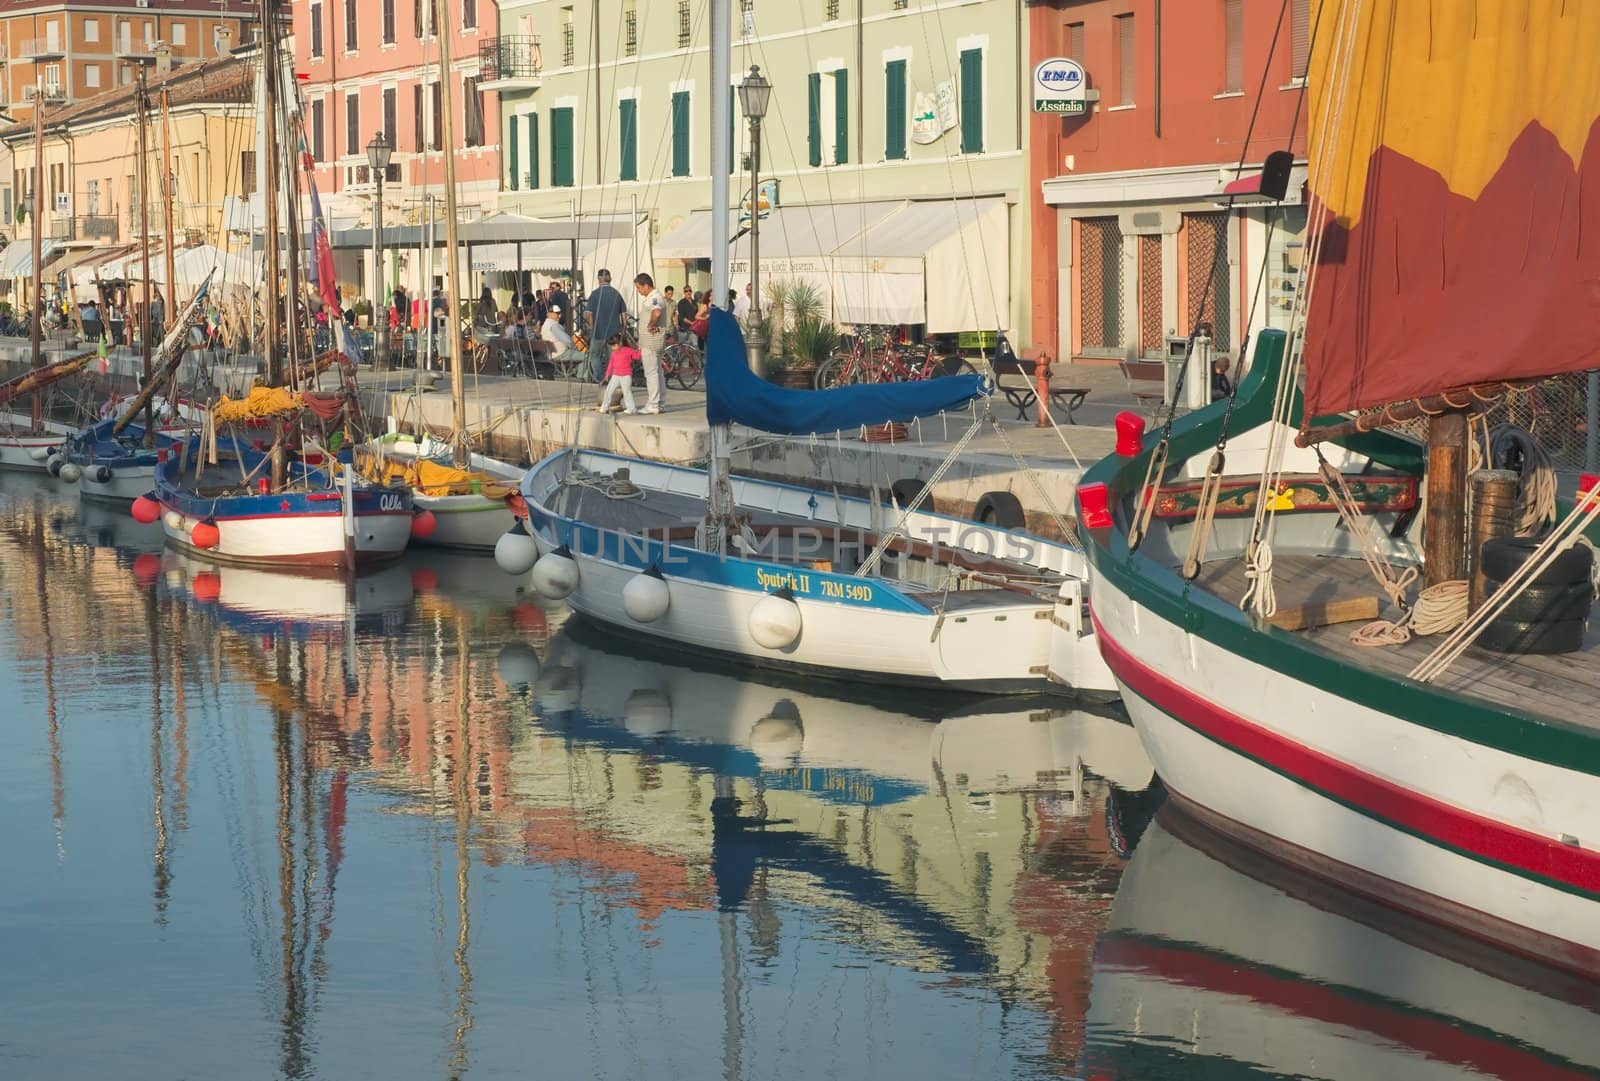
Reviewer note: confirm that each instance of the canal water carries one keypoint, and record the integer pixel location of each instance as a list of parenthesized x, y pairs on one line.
[(260, 826)]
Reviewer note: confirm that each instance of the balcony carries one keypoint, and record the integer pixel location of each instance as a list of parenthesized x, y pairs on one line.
[(510, 63), (52, 93), (85, 227), (139, 52), (41, 49)]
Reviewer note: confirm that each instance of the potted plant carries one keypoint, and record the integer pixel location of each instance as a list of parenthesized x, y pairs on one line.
[(808, 342)]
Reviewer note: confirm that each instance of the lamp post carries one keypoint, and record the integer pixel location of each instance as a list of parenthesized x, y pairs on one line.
[(378, 152), (754, 93)]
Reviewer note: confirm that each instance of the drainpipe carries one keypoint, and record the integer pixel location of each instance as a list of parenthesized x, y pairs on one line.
[(1158, 69)]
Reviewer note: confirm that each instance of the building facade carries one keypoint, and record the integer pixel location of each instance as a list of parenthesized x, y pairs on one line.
[(892, 151), (366, 66), (1136, 240)]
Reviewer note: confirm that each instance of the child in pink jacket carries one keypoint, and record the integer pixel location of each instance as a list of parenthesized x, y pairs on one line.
[(619, 375)]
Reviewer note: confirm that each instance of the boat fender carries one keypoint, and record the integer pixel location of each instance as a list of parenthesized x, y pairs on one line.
[(70, 472), (205, 534), (778, 737), (423, 523), (39, 454), (904, 491), (555, 575), (1503, 556), (647, 713), (100, 474), (173, 521), (516, 552), (646, 598), (775, 621), (53, 465), (145, 510), (1001, 510), (518, 666)]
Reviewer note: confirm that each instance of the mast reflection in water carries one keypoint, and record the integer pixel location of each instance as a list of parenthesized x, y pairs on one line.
[(411, 826)]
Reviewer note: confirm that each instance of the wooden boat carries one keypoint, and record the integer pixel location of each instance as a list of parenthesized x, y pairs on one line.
[(1218, 962), (1469, 794), (469, 504)]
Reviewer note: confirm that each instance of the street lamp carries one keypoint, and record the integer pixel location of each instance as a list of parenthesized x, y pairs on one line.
[(753, 95), (378, 152)]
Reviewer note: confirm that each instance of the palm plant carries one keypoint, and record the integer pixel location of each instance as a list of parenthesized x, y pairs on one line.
[(810, 340)]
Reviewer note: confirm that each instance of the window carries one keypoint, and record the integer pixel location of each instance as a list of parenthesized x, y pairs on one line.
[(628, 127), (438, 117), (388, 22), (630, 29), (316, 29), (533, 151), (349, 26), (568, 50), (417, 7), (317, 128), (747, 18), (52, 79), (472, 111), (841, 116), (561, 148), (1125, 70), (894, 118), (247, 173), (1074, 44), (1300, 35), (813, 118), (417, 128), (680, 133), (352, 123), (901, 5), (91, 75), (1232, 46), (511, 150), (684, 35), (830, 10), (972, 101), (91, 197), (180, 34), (390, 121), (469, 14), (91, 30)]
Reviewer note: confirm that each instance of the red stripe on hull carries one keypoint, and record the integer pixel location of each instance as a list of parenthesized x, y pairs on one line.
[(315, 563), (1497, 842)]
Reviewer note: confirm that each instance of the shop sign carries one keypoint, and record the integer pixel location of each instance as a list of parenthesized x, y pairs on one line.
[(1060, 86)]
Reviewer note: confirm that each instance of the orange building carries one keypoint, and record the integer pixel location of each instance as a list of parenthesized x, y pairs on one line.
[(1136, 240)]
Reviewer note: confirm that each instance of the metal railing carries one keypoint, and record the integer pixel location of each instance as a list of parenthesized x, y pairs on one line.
[(83, 227), (515, 57), (35, 48)]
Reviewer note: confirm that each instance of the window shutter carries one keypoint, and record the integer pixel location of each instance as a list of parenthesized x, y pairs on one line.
[(1300, 35), (416, 11), (1075, 41), (1125, 56), (511, 147), (533, 151), (438, 116), (972, 101), (629, 129), (561, 148), (416, 105), (894, 118), (814, 116), (680, 133), (1232, 46), (390, 126), (841, 116), (733, 144)]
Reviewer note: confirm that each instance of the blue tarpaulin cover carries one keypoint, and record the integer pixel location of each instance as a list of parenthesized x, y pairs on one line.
[(736, 395)]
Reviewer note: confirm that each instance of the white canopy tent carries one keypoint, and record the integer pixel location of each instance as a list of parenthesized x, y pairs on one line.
[(691, 239), (190, 267), (16, 261), (624, 256)]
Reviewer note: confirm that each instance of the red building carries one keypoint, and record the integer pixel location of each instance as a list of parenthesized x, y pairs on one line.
[(1135, 241)]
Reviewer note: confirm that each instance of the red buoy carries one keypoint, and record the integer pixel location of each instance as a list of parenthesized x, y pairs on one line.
[(145, 510), (207, 585), (205, 534), (423, 523)]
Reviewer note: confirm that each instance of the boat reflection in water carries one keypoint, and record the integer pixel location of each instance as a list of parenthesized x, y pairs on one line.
[(1219, 963)]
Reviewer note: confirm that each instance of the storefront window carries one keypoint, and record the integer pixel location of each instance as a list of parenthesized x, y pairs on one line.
[(1286, 244)]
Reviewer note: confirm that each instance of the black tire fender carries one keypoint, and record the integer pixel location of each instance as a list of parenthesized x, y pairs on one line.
[(999, 509), (1502, 556), (1520, 636)]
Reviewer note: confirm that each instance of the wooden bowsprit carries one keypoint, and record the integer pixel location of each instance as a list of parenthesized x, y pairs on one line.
[(38, 378)]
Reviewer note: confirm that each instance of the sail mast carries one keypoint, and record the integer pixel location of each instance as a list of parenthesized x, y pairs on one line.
[(269, 197), (143, 177), (167, 173), (452, 267), (719, 494), (36, 325)]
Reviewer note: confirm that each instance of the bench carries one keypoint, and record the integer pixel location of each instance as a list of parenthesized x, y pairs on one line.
[(1139, 375), (1021, 391)]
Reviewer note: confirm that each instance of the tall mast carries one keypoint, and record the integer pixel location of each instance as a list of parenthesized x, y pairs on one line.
[(720, 494), (269, 197), (168, 195), (36, 326), (452, 262), (142, 175)]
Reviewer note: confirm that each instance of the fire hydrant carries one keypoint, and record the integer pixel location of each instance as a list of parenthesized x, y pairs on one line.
[(1041, 388)]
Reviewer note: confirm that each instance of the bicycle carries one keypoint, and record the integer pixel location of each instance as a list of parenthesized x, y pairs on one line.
[(681, 361)]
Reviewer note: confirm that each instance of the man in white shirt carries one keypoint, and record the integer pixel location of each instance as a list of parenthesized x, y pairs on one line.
[(652, 336), (564, 352), (741, 306)]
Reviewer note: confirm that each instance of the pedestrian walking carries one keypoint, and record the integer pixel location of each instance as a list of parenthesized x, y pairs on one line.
[(652, 337), (605, 319), (619, 376)]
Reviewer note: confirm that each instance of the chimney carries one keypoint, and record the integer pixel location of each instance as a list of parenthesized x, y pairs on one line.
[(223, 36), (163, 53)]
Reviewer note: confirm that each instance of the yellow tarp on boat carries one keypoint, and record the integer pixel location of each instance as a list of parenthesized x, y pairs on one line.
[(432, 478), (261, 402)]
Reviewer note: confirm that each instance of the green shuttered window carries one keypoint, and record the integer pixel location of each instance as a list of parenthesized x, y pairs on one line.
[(814, 117), (628, 110), (680, 133), (561, 148), (972, 101), (511, 145), (533, 151), (894, 117), (841, 116)]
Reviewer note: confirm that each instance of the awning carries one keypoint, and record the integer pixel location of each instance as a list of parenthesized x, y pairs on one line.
[(808, 232), (1246, 190), (74, 258), (16, 261), (692, 238), (86, 270)]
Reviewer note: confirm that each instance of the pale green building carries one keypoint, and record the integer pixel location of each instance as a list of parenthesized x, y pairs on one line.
[(893, 141)]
